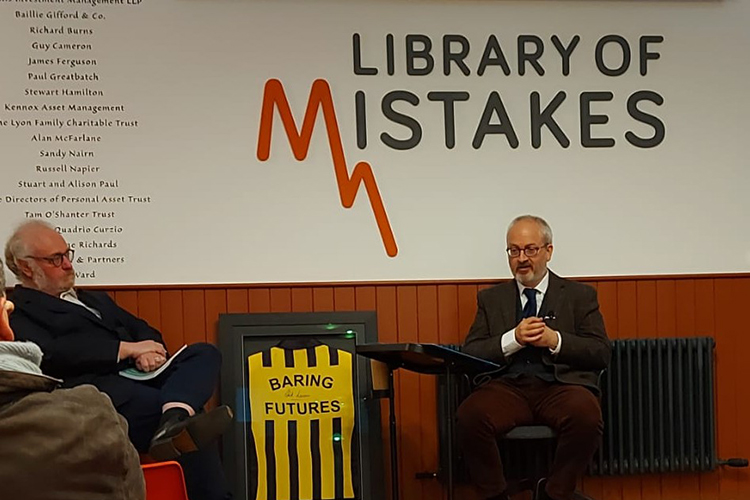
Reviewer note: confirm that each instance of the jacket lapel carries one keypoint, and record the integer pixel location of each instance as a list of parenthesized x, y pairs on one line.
[(91, 300), (552, 298), (509, 303)]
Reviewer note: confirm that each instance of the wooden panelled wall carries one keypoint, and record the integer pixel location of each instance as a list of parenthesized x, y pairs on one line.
[(442, 313)]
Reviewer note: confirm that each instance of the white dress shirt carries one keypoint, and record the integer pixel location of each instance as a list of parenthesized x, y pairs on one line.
[(72, 297), (508, 341)]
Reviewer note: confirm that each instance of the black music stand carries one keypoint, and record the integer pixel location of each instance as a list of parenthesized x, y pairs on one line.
[(431, 359)]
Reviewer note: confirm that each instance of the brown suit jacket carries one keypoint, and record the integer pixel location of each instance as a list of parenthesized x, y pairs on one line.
[(585, 350)]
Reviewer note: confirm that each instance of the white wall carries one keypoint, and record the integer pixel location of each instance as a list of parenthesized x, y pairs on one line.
[(189, 78)]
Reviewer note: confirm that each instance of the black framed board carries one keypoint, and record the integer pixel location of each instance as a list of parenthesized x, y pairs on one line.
[(306, 425)]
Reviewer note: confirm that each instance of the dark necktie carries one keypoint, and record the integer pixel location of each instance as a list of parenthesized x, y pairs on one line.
[(529, 309)]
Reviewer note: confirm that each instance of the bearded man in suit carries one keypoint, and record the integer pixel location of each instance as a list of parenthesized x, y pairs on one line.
[(548, 337), (87, 339)]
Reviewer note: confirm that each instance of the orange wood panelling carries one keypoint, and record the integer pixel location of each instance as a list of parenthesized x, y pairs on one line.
[(442, 312)]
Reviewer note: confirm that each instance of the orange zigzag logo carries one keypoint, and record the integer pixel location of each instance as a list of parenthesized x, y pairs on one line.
[(320, 97)]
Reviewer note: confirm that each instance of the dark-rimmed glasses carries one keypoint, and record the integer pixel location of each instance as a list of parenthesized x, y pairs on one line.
[(529, 251), (56, 259)]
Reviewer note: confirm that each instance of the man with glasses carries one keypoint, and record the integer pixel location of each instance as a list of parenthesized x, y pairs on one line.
[(548, 337), (40, 424), (87, 339)]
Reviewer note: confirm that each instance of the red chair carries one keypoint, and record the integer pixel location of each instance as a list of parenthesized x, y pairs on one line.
[(164, 481)]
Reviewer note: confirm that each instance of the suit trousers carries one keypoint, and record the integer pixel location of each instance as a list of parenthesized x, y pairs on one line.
[(498, 406), (191, 379)]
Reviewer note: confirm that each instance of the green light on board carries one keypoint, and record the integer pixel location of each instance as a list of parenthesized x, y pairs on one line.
[(337, 437), (350, 334), (330, 326)]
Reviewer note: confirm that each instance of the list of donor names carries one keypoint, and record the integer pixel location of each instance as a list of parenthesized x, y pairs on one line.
[(61, 115)]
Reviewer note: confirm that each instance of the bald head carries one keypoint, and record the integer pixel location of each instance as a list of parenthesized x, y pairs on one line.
[(30, 253)]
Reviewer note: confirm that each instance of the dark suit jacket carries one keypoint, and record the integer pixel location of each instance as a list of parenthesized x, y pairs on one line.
[(585, 350), (79, 347)]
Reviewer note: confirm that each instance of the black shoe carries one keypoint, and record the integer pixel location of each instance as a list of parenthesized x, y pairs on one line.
[(540, 493), (177, 437)]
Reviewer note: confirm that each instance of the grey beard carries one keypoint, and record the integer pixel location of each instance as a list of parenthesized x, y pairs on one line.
[(41, 282)]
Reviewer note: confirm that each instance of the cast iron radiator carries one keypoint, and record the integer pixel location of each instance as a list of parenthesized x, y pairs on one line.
[(657, 403), (658, 407)]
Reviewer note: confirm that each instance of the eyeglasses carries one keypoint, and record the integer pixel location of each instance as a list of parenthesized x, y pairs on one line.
[(56, 259), (528, 251)]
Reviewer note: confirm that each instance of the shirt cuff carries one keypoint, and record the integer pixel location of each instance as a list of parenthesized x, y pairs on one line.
[(559, 344), (509, 344)]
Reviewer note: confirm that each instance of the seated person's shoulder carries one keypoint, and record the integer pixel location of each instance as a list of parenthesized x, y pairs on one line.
[(87, 394), (97, 294), (71, 431), (83, 402), (98, 409)]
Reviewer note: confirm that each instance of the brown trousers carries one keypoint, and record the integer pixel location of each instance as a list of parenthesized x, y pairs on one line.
[(495, 408)]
